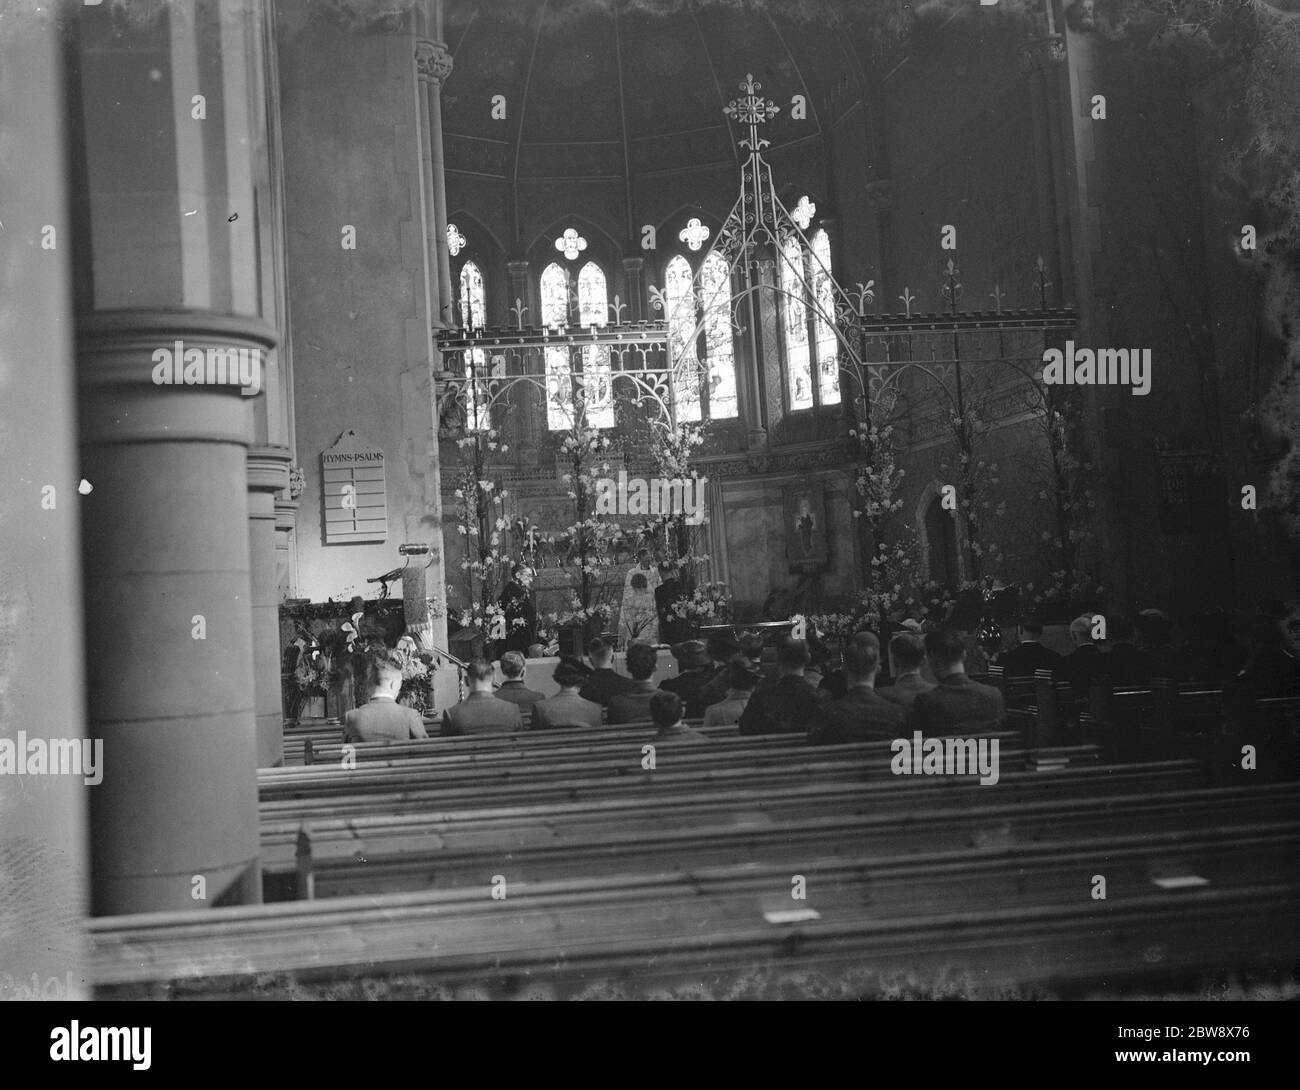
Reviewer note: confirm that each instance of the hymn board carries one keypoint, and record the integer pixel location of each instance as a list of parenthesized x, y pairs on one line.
[(355, 493)]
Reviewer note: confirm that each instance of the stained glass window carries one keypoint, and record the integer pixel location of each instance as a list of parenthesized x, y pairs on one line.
[(555, 314), (808, 327), (828, 368), (679, 299), (473, 307), (597, 383), (699, 319), (798, 358), (715, 282)]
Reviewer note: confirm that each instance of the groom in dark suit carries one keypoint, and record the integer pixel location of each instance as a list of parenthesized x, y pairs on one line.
[(956, 705)]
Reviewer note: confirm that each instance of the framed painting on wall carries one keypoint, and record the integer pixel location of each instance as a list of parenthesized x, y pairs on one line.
[(807, 546)]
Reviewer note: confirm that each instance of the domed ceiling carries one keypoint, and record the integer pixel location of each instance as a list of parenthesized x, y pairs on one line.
[(608, 88)]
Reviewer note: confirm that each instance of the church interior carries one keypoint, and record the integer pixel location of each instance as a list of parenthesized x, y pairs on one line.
[(348, 342)]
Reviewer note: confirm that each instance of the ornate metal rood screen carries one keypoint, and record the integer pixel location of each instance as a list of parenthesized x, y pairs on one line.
[(657, 364)]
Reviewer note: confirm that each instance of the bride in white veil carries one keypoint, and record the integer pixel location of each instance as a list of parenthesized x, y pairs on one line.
[(637, 619)]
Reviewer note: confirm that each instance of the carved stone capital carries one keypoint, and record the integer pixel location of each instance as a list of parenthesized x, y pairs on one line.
[(432, 61)]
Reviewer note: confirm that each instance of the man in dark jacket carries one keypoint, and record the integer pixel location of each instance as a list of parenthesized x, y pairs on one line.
[(956, 705), (695, 670), (605, 682), (672, 629), (1030, 654), (861, 714), (481, 712), (520, 614), (1085, 666), (514, 669), (788, 705)]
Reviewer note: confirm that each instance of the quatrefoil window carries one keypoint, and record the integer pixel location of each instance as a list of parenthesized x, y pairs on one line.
[(570, 244)]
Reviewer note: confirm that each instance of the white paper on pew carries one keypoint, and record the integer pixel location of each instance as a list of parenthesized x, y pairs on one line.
[(791, 915), (1181, 881)]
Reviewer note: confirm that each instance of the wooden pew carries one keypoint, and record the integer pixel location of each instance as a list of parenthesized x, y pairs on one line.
[(679, 793), (445, 855), (1025, 921), (765, 764)]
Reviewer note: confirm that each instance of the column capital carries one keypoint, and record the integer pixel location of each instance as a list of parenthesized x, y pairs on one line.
[(634, 264), (517, 268), (432, 61), (286, 515), (268, 468), (177, 375)]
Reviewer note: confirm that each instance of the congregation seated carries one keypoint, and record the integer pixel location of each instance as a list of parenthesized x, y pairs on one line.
[(481, 712), (1126, 664), (788, 705), (861, 714), (957, 705), (666, 712), (742, 679), (1029, 654), (1271, 670), (513, 689), (696, 670), (907, 652), (383, 719), (1085, 666), (605, 682), (633, 706), (722, 649), (568, 708), (833, 681)]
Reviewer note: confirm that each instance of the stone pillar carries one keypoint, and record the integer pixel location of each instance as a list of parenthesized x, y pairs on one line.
[(44, 856), (286, 521), (168, 617), (433, 62), (165, 543), (268, 473), (634, 278)]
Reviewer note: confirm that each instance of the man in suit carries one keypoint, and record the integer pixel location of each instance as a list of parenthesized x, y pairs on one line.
[(861, 714), (568, 709), (956, 705), (742, 680), (520, 614), (672, 629), (383, 719), (1085, 666), (1155, 642), (907, 651), (834, 681), (513, 689), (788, 705), (722, 649), (605, 682), (1030, 654), (695, 670), (666, 711), (481, 712), (633, 706)]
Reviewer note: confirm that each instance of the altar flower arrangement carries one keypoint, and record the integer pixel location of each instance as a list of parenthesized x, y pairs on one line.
[(708, 602)]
